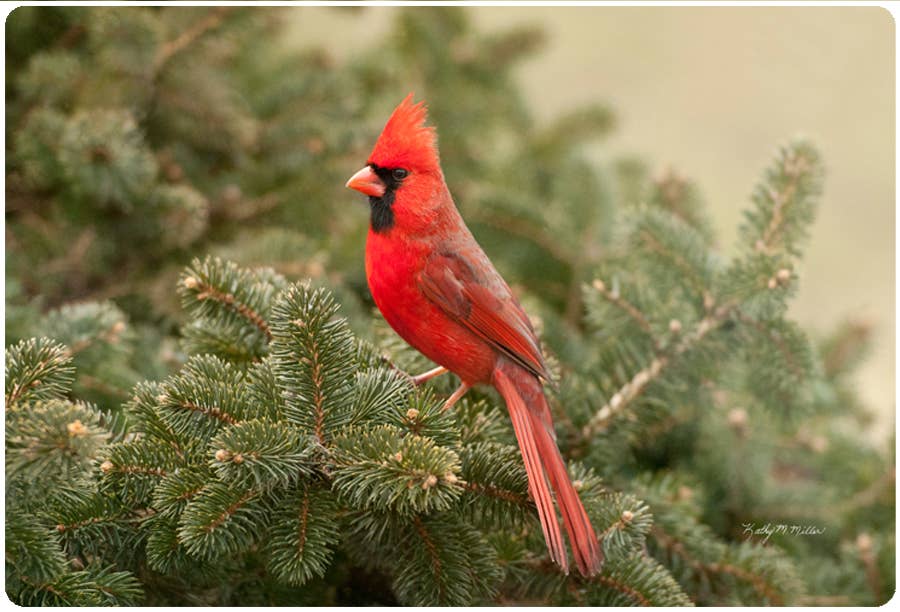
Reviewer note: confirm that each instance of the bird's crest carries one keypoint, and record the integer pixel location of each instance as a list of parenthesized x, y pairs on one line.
[(405, 141)]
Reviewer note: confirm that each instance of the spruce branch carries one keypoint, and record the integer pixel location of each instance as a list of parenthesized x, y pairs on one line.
[(632, 389), (614, 298), (784, 202), (212, 20), (303, 536), (223, 284), (313, 359), (221, 520), (380, 468), (38, 368), (261, 454)]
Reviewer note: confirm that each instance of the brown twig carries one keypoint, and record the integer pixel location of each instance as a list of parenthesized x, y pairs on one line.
[(432, 550), (208, 292), (496, 492), (758, 582), (630, 309), (634, 387), (230, 510), (170, 49)]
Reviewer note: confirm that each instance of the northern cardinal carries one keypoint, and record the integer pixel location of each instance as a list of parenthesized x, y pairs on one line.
[(439, 291)]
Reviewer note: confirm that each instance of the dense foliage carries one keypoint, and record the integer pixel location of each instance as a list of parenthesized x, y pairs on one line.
[(260, 444)]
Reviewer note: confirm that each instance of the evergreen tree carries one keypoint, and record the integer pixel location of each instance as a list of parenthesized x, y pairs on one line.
[(278, 454)]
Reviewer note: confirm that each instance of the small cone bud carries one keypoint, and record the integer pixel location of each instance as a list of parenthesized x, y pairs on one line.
[(222, 455), (106, 467), (450, 478), (398, 457), (783, 275), (578, 485), (772, 283), (315, 145), (118, 327), (412, 414), (76, 428), (430, 481), (737, 417), (315, 269), (864, 542), (627, 516), (675, 326), (232, 194), (190, 282), (819, 444), (238, 458), (598, 285)]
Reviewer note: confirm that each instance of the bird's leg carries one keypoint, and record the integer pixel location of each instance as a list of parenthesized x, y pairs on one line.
[(424, 376), (418, 379), (455, 397)]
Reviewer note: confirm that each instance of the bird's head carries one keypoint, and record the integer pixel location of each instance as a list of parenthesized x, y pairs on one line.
[(404, 161)]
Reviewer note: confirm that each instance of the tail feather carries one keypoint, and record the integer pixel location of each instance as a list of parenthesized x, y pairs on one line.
[(534, 432), (537, 485)]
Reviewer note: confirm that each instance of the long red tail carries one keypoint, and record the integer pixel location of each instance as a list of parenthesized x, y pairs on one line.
[(533, 425)]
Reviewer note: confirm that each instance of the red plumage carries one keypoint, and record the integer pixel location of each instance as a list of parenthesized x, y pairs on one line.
[(439, 291)]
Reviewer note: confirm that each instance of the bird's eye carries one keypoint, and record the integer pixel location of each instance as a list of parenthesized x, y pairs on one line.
[(400, 173)]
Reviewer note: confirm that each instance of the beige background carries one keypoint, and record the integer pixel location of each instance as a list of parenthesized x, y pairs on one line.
[(713, 91)]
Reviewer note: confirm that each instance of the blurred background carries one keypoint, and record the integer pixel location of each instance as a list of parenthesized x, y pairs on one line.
[(709, 92), (138, 138)]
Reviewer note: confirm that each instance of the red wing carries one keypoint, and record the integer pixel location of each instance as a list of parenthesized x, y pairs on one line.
[(473, 293)]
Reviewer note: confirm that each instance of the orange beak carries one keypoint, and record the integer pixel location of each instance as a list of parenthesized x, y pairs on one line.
[(367, 182)]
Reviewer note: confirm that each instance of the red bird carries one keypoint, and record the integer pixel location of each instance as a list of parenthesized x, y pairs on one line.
[(439, 291)]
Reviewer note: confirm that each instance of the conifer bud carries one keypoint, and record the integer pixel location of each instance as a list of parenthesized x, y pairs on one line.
[(627, 516), (398, 457), (864, 542), (429, 482), (773, 283), (450, 478), (598, 285), (315, 145), (818, 444), (107, 466), (76, 428), (190, 282), (232, 194), (222, 455), (675, 326), (577, 485), (238, 458), (315, 269), (737, 419), (412, 414), (783, 275), (117, 328)]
